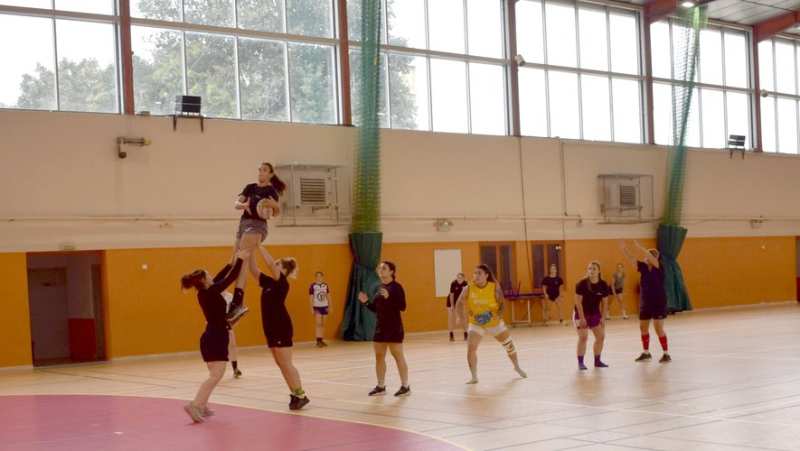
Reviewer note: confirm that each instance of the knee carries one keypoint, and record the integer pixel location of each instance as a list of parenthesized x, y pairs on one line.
[(508, 344)]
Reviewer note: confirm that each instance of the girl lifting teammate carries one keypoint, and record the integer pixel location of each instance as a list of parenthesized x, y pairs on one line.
[(483, 303), (591, 304), (214, 341), (276, 320), (258, 202), (388, 300)]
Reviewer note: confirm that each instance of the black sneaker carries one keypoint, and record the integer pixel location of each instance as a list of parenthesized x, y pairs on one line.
[(378, 391), (237, 373), (404, 391), (322, 344), (665, 359), (237, 313), (298, 402), (644, 357)]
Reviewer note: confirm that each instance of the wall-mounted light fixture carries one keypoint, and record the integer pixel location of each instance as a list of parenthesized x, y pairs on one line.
[(121, 141), (443, 225)]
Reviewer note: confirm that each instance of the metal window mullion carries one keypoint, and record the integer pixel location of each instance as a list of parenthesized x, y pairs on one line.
[(388, 90), (578, 65), (546, 71), (610, 68), (469, 99), (55, 66), (699, 114), (429, 69), (185, 64), (466, 67), (237, 78), (547, 102), (288, 79), (775, 88)]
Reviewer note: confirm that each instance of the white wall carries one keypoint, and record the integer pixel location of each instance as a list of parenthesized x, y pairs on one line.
[(63, 184)]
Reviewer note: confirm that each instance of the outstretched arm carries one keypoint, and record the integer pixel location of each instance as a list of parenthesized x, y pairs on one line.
[(628, 255), (271, 265)]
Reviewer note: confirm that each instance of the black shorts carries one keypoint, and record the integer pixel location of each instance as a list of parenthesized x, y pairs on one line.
[(389, 334), (279, 337), (214, 345), (652, 310), (618, 290)]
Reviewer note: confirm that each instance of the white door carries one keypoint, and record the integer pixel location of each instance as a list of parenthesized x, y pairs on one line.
[(47, 294)]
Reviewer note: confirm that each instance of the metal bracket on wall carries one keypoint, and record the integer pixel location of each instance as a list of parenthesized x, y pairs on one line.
[(176, 116)]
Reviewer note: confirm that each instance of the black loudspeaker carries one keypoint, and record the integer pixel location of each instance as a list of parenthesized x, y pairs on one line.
[(187, 104)]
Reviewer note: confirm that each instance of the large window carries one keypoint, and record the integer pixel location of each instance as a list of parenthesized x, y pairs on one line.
[(582, 79), (721, 100), (779, 75), (67, 62), (274, 59), (446, 66)]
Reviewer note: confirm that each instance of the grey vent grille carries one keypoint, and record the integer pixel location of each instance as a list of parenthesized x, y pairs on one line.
[(313, 191), (627, 196)]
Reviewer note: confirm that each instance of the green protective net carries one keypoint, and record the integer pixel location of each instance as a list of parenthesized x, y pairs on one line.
[(687, 53), (670, 234), (358, 323), (367, 195)]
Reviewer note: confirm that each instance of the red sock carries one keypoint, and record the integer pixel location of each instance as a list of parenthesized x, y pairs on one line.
[(663, 341), (646, 342)]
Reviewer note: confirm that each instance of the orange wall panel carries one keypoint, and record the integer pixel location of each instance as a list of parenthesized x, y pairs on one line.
[(148, 314), (424, 311), (15, 323)]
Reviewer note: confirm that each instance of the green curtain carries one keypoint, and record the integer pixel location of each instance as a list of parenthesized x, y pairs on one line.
[(670, 242), (359, 323)]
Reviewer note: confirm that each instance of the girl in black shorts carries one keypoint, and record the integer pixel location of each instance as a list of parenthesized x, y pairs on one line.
[(388, 300), (214, 341), (276, 320)]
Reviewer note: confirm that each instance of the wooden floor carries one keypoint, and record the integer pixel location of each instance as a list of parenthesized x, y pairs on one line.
[(733, 384)]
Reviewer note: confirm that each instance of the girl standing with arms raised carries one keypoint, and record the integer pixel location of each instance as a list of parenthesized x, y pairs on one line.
[(388, 301), (276, 321), (215, 339)]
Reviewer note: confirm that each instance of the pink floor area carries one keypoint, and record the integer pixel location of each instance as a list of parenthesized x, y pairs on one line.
[(67, 422)]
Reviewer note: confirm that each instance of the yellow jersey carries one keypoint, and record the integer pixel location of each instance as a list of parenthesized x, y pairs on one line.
[(482, 305)]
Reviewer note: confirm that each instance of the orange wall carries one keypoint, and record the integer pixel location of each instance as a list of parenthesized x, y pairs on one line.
[(718, 271), (146, 312), (424, 311), (15, 330)]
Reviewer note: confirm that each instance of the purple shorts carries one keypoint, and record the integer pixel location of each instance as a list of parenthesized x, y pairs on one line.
[(592, 320)]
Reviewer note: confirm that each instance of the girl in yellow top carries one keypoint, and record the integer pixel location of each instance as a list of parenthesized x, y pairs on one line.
[(483, 304)]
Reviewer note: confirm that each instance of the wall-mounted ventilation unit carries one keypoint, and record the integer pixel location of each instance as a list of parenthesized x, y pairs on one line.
[(626, 198), (313, 193)]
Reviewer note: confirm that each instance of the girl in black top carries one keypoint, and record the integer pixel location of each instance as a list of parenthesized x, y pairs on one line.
[(453, 317), (214, 341), (591, 305), (258, 202), (388, 300), (276, 321), (652, 301), (554, 287)]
